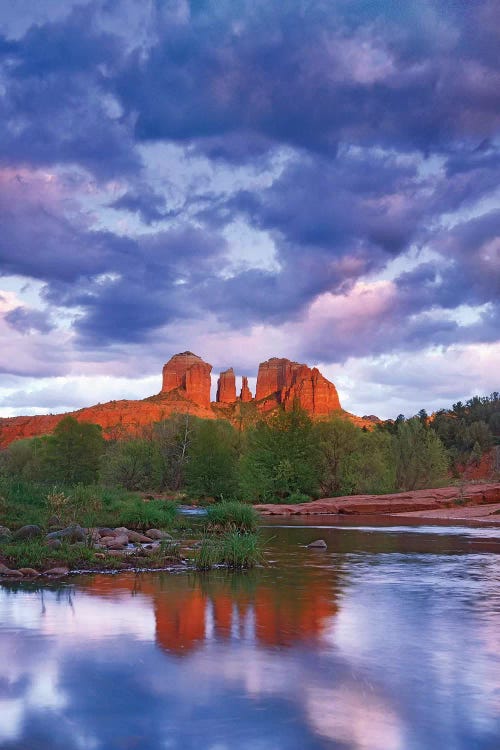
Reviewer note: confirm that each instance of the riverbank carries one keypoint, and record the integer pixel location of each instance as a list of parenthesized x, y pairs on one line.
[(457, 497), (225, 535)]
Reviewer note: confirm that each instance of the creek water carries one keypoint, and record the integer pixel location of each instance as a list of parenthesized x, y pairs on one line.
[(388, 640)]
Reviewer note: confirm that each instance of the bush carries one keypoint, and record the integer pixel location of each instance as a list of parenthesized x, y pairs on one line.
[(281, 458), (232, 549), (132, 464), (232, 516), (211, 468)]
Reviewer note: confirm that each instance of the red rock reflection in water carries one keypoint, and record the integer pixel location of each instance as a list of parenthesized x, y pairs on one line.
[(186, 615)]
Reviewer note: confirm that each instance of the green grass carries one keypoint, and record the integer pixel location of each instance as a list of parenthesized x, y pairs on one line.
[(24, 502), (232, 549), (231, 516), (36, 554), (153, 514)]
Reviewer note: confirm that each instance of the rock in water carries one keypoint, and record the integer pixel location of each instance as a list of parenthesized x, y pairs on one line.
[(57, 572), (318, 544)]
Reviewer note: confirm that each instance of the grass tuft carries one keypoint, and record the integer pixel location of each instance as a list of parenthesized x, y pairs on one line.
[(232, 516), (232, 549)]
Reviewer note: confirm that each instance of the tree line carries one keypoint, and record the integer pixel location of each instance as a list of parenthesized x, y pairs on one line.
[(285, 457)]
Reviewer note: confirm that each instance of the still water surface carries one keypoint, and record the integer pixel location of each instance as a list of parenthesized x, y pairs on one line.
[(390, 640)]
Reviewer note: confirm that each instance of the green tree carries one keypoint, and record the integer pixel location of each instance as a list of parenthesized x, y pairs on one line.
[(354, 461), (173, 438), (339, 443), (74, 452), (132, 464), (212, 462), (281, 457), (420, 457)]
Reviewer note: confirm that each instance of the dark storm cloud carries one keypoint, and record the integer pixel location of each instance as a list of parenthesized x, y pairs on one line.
[(150, 288), (58, 105), (316, 74), (25, 320), (375, 121)]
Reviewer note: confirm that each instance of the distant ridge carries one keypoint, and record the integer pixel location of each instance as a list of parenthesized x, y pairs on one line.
[(186, 383)]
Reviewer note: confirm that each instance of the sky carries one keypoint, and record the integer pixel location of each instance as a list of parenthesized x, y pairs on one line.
[(312, 179)]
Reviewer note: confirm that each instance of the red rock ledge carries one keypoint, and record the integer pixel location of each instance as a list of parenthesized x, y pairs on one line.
[(400, 502)]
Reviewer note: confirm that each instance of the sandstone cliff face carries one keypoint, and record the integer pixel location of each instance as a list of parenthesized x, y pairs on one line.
[(226, 387), (190, 375), (186, 388), (290, 382), (245, 394)]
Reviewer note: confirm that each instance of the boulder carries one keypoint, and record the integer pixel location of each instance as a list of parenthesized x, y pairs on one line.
[(133, 536), (317, 544), (158, 534), (226, 387), (72, 533), (29, 572), (57, 572), (31, 531), (8, 573), (115, 542), (105, 531)]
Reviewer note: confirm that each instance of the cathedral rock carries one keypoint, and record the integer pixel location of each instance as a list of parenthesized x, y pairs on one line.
[(190, 375), (226, 387), (289, 383), (186, 388)]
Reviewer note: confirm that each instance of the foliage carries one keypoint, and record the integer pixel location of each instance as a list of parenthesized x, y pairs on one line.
[(353, 461), (132, 464), (89, 505), (281, 458), (232, 549), (234, 516), (211, 469), (74, 452), (420, 457), (173, 438)]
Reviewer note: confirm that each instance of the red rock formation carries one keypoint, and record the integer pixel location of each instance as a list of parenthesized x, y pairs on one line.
[(190, 375), (226, 387), (290, 382), (245, 393), (400, 502), (186, 387)]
